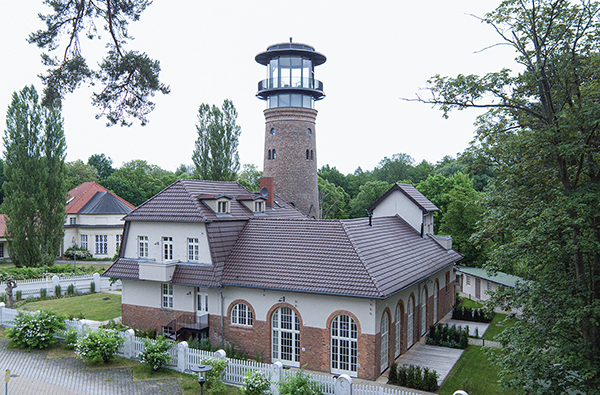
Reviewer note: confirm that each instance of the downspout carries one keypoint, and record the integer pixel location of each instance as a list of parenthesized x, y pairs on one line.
[(222, 317)]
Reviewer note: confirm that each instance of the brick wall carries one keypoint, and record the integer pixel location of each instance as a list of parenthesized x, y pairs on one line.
[(142, 317)]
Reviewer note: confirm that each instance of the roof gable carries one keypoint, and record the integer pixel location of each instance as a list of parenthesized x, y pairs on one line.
[(105, 203), (412, 194), (83, 193)]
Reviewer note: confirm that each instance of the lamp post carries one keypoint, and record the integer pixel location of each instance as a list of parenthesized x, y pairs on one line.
[(74, 255), (201, 370)]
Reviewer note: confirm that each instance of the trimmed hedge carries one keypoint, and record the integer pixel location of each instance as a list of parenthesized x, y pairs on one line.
[(413, 377), (448, 336), (475, 315)]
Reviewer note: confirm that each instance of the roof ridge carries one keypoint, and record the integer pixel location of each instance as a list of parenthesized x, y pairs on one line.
[(193, 199), (362, 260)]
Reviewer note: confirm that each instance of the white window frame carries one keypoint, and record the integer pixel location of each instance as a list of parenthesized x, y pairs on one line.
[(167, 296), (468, 280), (285, 335), (193, 249), (385, 337), (201, 302), (410, 325), (423, 311), (241, 314), (223, 207), (259, 207), (118, 239), (84, 242), (72, 220), (101, 244), (167, 248), (142, 246), (398, 325), (344, 346)]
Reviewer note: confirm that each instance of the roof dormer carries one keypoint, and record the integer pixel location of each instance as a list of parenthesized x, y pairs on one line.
[(255, 203), (220, 204)]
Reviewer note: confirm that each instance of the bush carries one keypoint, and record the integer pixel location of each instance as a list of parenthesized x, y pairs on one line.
[(81, 254), (100, 345), (156, 353), (43, 293), (418, 378), (92, 287), (393, 375), (18, 295), (57, 291), (443, 335), (214, 381), (36, 331), (234, 353), (256, 383), (71, 289), (299, 384), (70, 336), (145, 333)]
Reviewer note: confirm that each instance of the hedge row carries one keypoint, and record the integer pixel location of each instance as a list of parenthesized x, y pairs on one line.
[(475, 315), (413, 377)]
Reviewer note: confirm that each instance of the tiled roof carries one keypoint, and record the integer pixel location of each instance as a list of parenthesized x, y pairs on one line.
[(83, 193), (123, 268), (346, 257), (499, 277), (182, 202), (105, 203), (412, 193)]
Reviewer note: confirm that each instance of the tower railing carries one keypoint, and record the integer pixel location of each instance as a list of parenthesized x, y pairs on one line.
[(294, 82)]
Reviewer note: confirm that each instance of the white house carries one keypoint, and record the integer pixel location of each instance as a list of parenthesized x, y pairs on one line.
[(341, 296), (94, 220), (475, 282)]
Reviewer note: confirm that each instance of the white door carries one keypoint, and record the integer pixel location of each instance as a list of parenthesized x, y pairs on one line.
[(398, 318), (411, 322), (385, 327), (285, 327)]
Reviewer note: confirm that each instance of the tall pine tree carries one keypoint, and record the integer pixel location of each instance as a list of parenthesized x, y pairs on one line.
[(35, 188)]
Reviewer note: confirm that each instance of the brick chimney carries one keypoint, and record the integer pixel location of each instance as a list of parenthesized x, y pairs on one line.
[(267, 182)]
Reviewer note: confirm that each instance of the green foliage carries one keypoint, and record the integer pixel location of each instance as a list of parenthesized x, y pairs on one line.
[(256, 383), (81, 253), (155, 353), (448, 336), (70, 338), (215, 155), (214, 381), (541, 211), (393, 374), (71, 290), (333, 200), (26, 273), (249, 177), (99, 345), (232, 352), (18, 295), (129, 79), (149, 333), (369, 193), (37, 330), (299, 384), (416, 377), (102, 164), (43, 293), (35, 189), (78, 173), (57, 291), (92, 287), (472, 314)]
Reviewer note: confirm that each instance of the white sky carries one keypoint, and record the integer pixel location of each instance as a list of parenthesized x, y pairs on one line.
[(377, 52)]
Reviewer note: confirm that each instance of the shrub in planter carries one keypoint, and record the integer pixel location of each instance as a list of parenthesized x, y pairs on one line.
[(57, 291), (43, 293), (36, 331), (256, 383), (393, 374), (92, 287), (402, 376), (430, 380), (299, 384), (100, 345), (155, 353)]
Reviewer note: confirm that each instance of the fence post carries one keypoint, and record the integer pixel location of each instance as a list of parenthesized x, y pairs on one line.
[(129, 349), (343, 385), (1, 313), (182, 351), (96, 279), (276, 376), (55, 282), (220, 354)]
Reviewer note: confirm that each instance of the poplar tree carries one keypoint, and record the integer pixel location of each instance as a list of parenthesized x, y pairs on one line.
[(35, 188), (216, 156)]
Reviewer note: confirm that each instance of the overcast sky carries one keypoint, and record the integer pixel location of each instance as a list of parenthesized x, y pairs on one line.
[(377, 52)]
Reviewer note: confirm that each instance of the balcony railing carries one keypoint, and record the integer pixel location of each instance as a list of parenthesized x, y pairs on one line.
[(290, 83)]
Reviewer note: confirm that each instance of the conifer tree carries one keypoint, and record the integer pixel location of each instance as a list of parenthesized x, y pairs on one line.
[(35, 188)]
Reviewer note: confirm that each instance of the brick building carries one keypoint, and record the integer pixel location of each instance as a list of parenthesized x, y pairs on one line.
[(206, 258)]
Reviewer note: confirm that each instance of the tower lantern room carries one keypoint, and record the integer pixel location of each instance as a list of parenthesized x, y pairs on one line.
[(290, 78), (290, 89)]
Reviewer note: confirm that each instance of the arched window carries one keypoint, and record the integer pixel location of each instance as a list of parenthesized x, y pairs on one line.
[(308, 131), (272, 131), (269, 155), (424, 311), (274, 153), (241, 315), (344, 346), (410, 322), (398, 322), (312, 156), (306, 154), (436, 291), (285, 328), (385, 329)]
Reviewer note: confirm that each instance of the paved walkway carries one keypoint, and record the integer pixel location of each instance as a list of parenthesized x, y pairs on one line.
[(34, 374), (440, 359)]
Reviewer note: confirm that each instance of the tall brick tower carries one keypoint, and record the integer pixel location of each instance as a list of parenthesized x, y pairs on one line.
[(290, 135)]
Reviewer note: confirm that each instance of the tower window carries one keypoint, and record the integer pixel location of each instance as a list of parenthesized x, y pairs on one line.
[(307, 155), (312, 156), (308, 132), (272, 131), (269, 155), (274, 153)]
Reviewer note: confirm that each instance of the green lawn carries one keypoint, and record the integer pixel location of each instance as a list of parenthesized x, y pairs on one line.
[(475, 374), (471, 304), (498, 324), (97, 306)]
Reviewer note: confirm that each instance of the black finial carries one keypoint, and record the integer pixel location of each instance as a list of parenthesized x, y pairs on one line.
[(290, 40)]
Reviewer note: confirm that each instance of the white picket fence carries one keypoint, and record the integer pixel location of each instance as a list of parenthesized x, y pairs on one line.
[(32, 288), (183, 357)]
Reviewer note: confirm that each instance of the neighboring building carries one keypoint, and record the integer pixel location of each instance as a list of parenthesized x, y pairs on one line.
[(290, 90), (3, 242), (94, 220), (207, 258), (474, 282)]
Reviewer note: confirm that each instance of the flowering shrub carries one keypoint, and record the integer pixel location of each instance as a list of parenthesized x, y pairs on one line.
[(299, 384), (36, 331), (156, 353), (70, 336), (102, 344), (214, 381), (256, 383)]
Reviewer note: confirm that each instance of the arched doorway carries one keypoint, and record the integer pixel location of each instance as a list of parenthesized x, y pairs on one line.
[(344, 346), (398, 322), (385, 329), (424, 311), (411, 322), (285, 329)]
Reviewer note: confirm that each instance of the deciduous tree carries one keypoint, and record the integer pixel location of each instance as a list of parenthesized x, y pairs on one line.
[(542, 135), (216, 156), (35, 188)]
